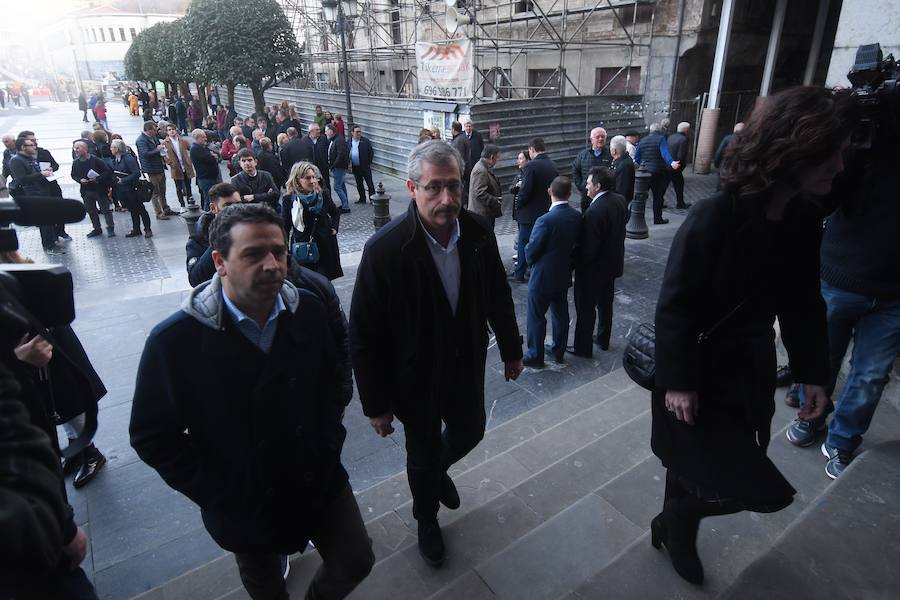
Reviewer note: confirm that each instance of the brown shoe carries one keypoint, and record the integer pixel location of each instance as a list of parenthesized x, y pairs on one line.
[(162, 218)]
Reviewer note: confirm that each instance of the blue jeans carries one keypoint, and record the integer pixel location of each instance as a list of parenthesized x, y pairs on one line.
[(339, 187), (874, 327), (524, 236), (538, 303), (204, 185)]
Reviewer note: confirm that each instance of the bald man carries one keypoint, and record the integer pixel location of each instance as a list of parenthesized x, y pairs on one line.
[(596, 156)]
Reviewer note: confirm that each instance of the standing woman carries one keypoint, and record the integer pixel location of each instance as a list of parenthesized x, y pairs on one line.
[(126, 172), (180, 167), (741, 258), (309, 213), (100, 111)]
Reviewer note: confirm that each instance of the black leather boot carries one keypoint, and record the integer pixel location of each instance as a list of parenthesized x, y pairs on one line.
[(679, 535), (92, 463)]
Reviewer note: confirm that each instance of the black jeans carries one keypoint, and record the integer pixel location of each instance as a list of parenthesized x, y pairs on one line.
[(593, 302), (677, 178), (342, 542), (360, 174), (138, 212), (183, 189), (430, 452), (95, 200), (658, 184)]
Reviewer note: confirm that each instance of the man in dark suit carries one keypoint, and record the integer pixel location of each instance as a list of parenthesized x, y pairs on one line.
[(623, 167), (533, 199), (361, 156), (269, 162), (429, 370), (678, 147), (476, 147), (319, 145), (549, 252), (599, 259), (293, 152)]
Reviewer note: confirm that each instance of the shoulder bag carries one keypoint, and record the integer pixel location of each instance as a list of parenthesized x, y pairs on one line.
[(306, 253)]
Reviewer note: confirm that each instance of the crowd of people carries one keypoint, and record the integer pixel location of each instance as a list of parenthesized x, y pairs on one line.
[(430, 285)]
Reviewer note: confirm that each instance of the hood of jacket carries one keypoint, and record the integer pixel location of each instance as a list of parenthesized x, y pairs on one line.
[(205, 302)]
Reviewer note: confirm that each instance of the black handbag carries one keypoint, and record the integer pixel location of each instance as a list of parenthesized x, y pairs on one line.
[(639, 357), (144, 190)]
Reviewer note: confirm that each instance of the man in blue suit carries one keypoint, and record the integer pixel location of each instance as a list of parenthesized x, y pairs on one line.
[(533, 199), (549, 252)]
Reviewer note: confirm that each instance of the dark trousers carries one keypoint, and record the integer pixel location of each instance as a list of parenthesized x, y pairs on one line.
[(593, 302), (138, 212), (68, 585), (346, 550), (538, 303), (183, 189), (677, 179), (96, 200), (658, 184), (524, 236), (430, 452), (204, 185), (360, 173)]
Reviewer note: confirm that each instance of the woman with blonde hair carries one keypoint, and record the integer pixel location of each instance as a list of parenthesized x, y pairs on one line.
[(311, 216)]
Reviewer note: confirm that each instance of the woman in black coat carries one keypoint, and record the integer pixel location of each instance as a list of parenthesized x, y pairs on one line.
[(741, 258), (309, 213)]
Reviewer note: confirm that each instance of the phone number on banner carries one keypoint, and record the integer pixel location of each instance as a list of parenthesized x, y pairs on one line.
[(444, 92)]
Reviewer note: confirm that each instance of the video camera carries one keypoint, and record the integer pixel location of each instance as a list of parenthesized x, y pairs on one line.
[(875, 89)]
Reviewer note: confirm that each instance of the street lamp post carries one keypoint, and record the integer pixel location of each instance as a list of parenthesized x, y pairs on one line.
[(341, 14)]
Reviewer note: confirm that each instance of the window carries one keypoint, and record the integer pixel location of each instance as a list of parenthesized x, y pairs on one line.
[(617, 81), (628, 17), (357, 80), (396, 35), (122, 33), (112, 35), (523, 6), (133, 33), (543, 82), (403, 89), (496, 80), (321, 81), (102, 34)]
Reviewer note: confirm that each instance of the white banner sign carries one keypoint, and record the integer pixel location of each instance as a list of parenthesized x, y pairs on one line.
[(444, 70)]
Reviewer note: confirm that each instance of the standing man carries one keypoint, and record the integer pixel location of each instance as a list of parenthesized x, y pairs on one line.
[(267, 161), (599, 260), (461, 144), (83, 106), (319, 118), (632, 138), (149, 153), (253, 184), (319, 156), (181, 115), (653, 154), (678, 148), (206, 165), (595, 156), (533, 199), (719, 156), (256, 440), (361, 156), (623, 167), (485, 193), (442, 265), (94, 177), (30, 179), (476, 146), (339, 162), (549, 252), (44, 157)]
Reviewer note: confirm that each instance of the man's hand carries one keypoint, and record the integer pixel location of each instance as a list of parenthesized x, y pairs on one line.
[(161, 147), (248, 198), (76, 550), (814, 402), (676, 164), (382, 425), (47, 172), (512, 369), (37, 352), (685, 406)]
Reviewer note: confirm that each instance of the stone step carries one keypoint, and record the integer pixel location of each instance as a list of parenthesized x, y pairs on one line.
[(727, 545), (509, 454)]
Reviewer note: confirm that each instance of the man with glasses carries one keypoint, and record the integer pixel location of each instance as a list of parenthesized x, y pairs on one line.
[(30, 179), (428, 286)]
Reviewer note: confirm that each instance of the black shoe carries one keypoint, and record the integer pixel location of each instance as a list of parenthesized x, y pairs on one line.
[(559, 359), (680, 540), (133, 233), (685, 205), (449, 495), (169, 212), (94, 233), (783, 376), (344, 211), (360, 201), (71, 465), (534, 363), (431, 543), (572, 350), (660, 221), (66, 237), (513, 277), (604, 345), (93, 462), (110, 233)]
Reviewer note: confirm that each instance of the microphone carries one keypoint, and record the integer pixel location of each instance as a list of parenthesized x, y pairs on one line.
[(40, 210)]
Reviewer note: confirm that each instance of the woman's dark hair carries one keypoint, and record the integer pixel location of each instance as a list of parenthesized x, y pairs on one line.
[(786, 134), (228, 217)]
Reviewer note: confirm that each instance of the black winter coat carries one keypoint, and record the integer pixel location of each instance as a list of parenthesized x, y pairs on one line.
[(256, 445), (329, 263), (403, 334), (533, 199), (624, 172), (725, 253)]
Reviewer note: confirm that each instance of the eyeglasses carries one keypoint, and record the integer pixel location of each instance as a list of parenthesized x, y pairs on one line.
[(436, 187)]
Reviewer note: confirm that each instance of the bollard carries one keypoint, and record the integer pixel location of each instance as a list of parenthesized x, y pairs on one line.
[(381, 202), (190, 215), (636, 228)]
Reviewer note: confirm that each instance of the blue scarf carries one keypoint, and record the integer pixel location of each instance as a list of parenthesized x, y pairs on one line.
[(313, 201)]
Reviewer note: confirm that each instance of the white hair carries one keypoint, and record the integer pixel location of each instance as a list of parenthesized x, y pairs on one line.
[(654, 127), (664, 122), (434, 152), (119, 145), (683, 126), (197, 132), (313, 126), (618, 143)]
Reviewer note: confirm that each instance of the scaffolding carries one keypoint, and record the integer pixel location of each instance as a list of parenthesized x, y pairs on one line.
[(506, 35)]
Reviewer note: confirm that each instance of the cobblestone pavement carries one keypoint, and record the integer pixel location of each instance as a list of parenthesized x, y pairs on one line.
[(142, 533)]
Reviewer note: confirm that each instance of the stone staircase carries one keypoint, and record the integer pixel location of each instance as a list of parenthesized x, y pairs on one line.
[(556, 503)]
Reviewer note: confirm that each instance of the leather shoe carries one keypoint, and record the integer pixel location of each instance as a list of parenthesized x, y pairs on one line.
[(449, 495), (93, 462), (534, 363), (431, 543), (71, 465), (344, 211), (557, 358), (685, 205), (572, 350), (660, 221), (360, 201), (512, 277)]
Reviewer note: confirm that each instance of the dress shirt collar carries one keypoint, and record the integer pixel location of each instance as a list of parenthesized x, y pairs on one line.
[(554, 203), (436, 245)]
